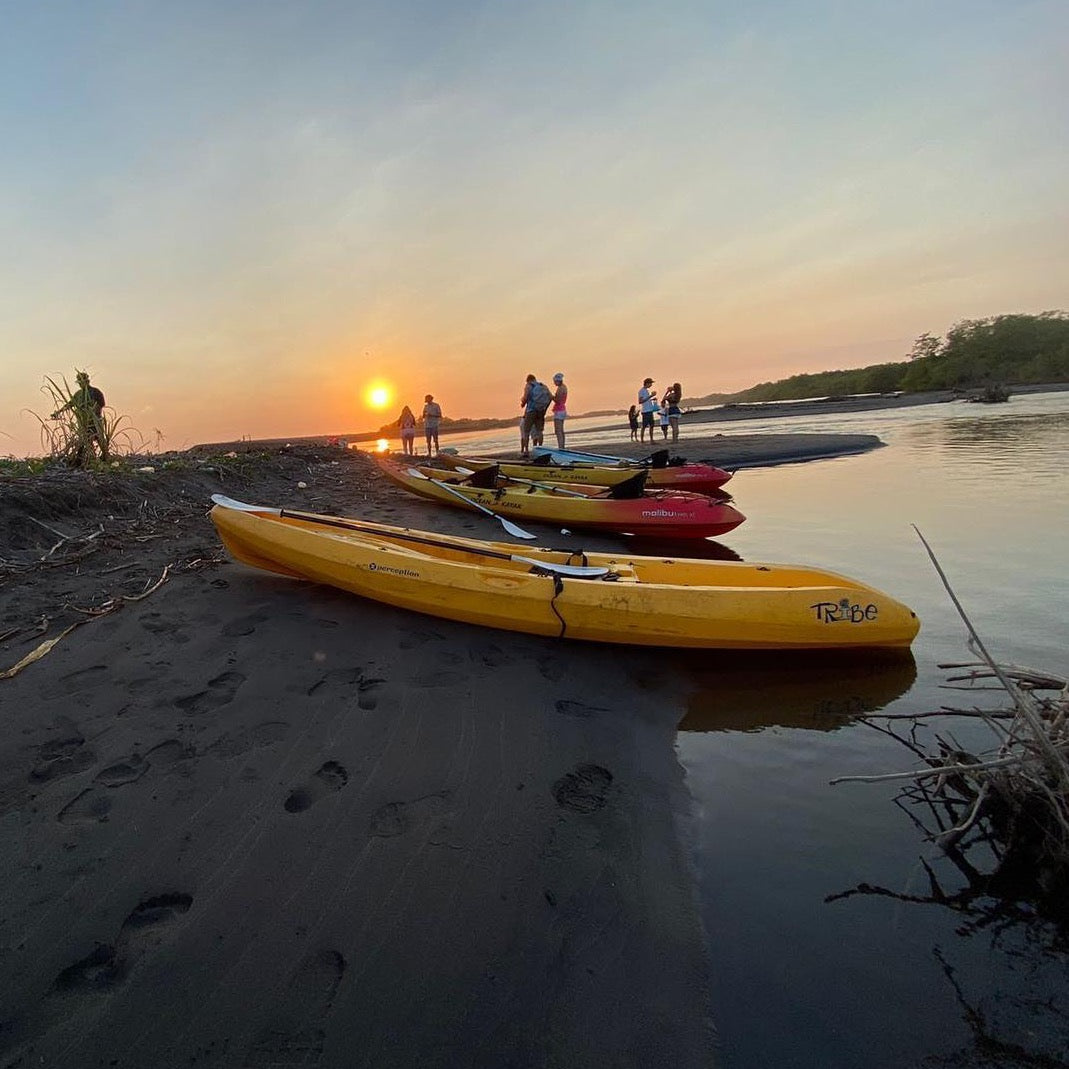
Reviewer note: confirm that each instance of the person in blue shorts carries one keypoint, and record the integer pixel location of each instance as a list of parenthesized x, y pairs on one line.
[(647, 403)]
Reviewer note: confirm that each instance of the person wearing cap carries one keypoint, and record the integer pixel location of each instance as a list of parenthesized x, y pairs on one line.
[(560, 410), (535, 402), (647, 402)]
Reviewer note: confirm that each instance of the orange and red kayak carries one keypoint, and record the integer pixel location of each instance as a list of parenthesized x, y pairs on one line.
[(654, 513), (664, 472)]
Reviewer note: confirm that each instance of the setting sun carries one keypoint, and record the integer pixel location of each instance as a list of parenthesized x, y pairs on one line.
[(378, 395)]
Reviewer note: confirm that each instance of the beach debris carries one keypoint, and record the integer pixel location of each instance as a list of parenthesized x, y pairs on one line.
[(999, 809), (148, 469), (93, 612), (37, 652), (302, 486)]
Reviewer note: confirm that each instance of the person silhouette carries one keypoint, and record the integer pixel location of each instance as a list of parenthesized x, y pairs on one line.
[(406, 423), (86, 405), (432, 415)]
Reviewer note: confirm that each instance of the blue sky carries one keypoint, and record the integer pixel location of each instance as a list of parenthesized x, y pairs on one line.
[(236, 215)]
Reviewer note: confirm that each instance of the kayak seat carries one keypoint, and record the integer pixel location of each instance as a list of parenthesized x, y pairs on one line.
[(629, 488), (484, 478)]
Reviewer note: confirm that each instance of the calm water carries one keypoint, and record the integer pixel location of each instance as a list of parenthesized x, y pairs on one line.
[(869, 980), (874, 980)]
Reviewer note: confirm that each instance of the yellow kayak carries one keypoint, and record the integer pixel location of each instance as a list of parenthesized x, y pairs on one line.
[(658, 514), (597, 597), (626, 481)]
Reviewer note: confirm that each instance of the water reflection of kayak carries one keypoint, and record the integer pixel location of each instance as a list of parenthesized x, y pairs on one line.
[(752, 692)]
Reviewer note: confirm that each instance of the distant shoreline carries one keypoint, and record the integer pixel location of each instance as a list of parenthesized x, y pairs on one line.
[(717, 414)]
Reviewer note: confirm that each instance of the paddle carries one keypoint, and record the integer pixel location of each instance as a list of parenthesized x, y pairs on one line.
[(516, 532), (567, 454), (572, 571), (659, 458), (529, 482)]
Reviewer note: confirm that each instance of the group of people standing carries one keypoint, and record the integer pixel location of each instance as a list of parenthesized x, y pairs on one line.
[(536, 401), (648, 411), (432, 418)]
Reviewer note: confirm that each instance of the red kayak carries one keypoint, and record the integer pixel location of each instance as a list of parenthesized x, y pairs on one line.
[(662, 472), (697, 478), (656, 513)]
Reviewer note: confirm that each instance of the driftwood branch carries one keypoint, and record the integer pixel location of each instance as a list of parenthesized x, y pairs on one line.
[(1010, 798)]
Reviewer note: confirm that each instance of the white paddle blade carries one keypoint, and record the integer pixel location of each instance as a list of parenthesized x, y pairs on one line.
[(239, 506), (516, 532)]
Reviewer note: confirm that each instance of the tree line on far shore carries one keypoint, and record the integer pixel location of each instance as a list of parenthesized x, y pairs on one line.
[(1005, 350)]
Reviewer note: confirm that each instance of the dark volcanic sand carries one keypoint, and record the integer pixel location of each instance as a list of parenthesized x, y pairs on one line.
[(253, 822)]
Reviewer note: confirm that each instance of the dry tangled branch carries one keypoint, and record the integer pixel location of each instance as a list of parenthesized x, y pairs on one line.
[(1008, 801)]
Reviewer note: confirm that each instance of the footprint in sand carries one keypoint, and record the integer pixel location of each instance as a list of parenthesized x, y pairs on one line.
[(90, 807), (131, 768), (551, 668), (295, 1036), (220, 692), (366, 697), (74, 683), (127, 770), (413, 638), (336, 678), (346, 678), (110, 963), (579, 709), (490, 654), (441, 677), (62, 757), (156, 624), (326, 779), (266, 733), (396, 818), (93, 804), (244, 625), (584, 789)]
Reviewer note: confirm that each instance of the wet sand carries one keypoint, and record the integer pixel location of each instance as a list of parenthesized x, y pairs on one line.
[(253, 822), (735, 451)]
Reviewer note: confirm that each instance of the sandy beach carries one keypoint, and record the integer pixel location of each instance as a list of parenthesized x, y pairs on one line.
[(253, 822)]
